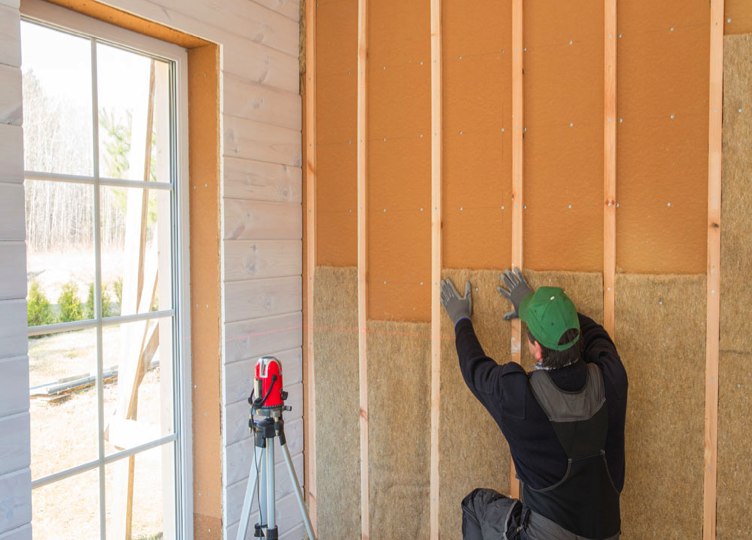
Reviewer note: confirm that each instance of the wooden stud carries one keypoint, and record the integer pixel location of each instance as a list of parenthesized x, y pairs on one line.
[(609, 164), (517, 205), (310, 172), (715, 108), (436, 258), (363, 265)]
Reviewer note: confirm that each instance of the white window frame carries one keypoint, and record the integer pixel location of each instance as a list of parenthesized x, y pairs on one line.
[(55, 17)]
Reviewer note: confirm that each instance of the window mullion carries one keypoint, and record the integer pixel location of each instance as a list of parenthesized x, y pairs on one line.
[(98, 290)]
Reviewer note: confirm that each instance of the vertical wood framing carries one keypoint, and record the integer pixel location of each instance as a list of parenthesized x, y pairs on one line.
[(517, 205), (310, 172), (363, 266), (609, 164), (436, 259), (715, 110), (310, 420)]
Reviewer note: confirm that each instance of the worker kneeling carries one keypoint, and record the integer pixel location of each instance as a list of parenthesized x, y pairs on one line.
[(564, 421)]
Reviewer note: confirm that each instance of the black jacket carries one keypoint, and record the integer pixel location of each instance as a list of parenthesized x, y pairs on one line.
[(504, 391)]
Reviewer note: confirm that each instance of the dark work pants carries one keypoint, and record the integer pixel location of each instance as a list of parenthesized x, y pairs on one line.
[(489, 515)]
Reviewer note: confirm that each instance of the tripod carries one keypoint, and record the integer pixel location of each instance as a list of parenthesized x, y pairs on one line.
[(265, 430)]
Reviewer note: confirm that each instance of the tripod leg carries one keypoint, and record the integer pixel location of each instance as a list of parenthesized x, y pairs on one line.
[(298, 494), (248, 501), (272, 520), (262, 491)]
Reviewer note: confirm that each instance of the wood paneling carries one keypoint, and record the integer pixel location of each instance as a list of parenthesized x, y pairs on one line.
[(12, 270), (15, 448), (247, 179), (247, 19), (22, 533), (12, 212), (253, 338), (11, 153), (10, 3), (288, 8), (13, 340), (16, 496), (255, 101), (262, 142), (10, 95), (262, 298), (262, 220), (15, 452), (10, 34), (262, 259)]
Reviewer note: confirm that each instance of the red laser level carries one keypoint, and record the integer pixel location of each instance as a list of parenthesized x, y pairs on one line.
[(268, 383), (266, 422)]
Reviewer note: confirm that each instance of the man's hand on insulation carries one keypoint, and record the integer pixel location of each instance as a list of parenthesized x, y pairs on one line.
[(456, 306), (518, 290)]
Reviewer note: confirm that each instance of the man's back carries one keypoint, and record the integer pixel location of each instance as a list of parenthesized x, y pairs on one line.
[(505, 390)]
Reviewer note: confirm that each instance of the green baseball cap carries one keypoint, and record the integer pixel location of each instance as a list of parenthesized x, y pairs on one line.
[(549, 313)]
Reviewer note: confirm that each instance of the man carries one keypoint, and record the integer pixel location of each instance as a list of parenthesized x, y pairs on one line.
[(564, 421)]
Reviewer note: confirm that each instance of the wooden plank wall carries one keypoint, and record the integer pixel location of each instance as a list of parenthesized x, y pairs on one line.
[(15, 443)]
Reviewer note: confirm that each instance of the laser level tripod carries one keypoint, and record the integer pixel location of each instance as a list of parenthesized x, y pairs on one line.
[(269, 406)]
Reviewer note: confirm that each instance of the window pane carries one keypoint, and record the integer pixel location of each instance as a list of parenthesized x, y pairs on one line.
[(57, 101), (68, 508), (62, 371), (136, 248), (60, 253), (139, 406), (153, 492), (133, 115)]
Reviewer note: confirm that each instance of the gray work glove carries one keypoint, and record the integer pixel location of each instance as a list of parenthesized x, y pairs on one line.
[(518, 289), (456, 306)]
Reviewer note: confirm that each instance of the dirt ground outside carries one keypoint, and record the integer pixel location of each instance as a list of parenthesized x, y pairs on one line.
[(64, 434)]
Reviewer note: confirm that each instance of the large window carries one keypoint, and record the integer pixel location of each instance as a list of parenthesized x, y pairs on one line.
[(105, 170)]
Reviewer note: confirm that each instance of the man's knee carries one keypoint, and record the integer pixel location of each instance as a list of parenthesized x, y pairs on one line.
[(469, 501), (477, 501)]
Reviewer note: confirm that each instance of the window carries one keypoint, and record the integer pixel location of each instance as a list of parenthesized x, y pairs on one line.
[(105, 139)]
